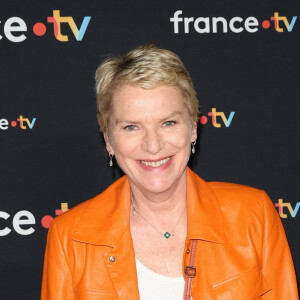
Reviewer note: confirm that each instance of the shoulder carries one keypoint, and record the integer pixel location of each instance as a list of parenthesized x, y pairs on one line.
[(69, 219), (235, 196), (237, 193), (241, 201), (227, 186)]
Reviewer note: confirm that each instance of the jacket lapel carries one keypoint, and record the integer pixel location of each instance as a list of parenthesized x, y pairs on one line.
[(106, 217)]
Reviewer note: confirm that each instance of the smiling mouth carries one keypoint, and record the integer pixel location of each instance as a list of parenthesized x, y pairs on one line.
[(155, 164)]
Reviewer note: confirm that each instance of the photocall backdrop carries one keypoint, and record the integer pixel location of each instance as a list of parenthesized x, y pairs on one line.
[(243, 57)]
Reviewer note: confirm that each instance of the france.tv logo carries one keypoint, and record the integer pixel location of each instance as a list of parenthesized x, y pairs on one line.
[(15, 28), (251, 24)]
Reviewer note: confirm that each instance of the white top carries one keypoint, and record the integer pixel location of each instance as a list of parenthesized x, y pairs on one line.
[(154, 286)]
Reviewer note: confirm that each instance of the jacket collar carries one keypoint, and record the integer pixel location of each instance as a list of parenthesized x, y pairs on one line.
[(205, 221), (106, 217)]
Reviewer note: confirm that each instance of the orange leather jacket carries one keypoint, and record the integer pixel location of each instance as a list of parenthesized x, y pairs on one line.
[(242, 251)]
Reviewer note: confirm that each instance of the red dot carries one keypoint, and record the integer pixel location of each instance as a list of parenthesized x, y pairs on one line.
[(203, 120), (46, 221), (39, 29), (13, 123), (265, 24)]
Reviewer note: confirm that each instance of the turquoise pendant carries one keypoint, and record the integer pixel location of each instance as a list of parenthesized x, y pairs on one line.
[(167, 235)]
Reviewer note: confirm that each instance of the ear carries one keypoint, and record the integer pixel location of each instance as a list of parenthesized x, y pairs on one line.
[(109, 147), (194, 132)]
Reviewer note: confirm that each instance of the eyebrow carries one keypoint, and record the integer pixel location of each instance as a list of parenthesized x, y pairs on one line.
[(172, 115)]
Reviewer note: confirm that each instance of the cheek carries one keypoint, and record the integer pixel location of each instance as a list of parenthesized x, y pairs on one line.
[(122, 145), (180, 140)]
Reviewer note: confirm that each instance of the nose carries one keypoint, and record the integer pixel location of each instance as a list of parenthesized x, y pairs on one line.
[(153, 142)]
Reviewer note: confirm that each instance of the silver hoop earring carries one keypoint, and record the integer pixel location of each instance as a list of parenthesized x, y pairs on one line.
[(110, 159), (193, 147)]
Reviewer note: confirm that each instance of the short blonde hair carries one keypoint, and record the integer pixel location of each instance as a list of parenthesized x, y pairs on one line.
[(145, 66)]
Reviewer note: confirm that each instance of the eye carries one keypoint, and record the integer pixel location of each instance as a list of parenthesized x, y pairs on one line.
[(169, 123), (130, 127)]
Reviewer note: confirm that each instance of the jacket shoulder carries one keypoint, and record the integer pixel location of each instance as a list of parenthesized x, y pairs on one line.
[(226, 188), (70, 218), (228, 185), (233, 194), (239, 195)]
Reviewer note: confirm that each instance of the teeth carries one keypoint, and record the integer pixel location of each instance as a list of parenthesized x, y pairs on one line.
[(155, 163)]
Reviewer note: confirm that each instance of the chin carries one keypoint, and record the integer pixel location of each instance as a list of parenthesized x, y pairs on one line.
[(157, 185)]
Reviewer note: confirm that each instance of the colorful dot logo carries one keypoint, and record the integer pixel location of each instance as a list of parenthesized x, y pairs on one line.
[(279, 21), (216, 118), (39, 29)]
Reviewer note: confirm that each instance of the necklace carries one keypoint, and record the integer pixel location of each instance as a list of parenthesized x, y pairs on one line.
[(166, 234)]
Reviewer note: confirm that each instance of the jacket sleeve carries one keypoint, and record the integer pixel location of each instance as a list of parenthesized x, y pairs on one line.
[(277, 263), (57, 279)]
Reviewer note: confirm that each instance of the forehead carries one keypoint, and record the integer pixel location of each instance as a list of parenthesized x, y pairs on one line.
[(137, 101)]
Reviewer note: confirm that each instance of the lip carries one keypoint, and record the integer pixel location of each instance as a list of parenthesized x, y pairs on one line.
[(155, 169)]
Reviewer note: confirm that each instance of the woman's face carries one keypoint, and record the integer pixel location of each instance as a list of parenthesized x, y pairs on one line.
[(150, 133)]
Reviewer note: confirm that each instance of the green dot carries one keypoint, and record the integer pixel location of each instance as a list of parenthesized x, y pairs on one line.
[(167, 235)]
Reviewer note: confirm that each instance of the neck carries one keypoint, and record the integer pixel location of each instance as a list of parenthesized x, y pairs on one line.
[(167, 205)]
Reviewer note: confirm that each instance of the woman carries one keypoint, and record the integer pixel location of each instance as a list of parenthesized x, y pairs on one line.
[(161, 232)]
